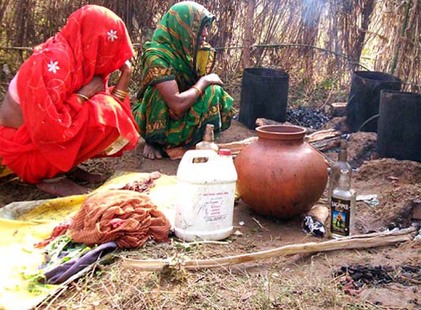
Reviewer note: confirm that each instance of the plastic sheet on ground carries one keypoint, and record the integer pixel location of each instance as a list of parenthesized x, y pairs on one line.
[(22, 224)]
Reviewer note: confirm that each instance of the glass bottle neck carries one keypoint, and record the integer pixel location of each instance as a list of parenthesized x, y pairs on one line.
[(208, 136), (343, 155)]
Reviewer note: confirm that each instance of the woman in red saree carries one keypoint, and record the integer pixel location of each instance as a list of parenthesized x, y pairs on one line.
[(59, 111)]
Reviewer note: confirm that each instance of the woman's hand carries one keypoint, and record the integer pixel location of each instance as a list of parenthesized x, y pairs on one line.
[(126, 67), (96, 85), (212, 79)]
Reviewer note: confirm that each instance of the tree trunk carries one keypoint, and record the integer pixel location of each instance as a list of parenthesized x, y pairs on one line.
[(248, 33)]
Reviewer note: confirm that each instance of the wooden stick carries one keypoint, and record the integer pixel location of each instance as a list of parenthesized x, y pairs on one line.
[(16, 48), (323, 135), (237, 146), (327, 144), (346, 243)]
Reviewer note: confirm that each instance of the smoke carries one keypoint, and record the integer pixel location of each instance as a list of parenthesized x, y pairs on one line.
[(312, 10)]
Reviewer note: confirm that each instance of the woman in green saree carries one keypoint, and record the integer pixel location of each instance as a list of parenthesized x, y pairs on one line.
[(179, 95)]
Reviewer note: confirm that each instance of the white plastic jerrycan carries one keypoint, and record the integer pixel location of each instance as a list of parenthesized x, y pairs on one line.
[(206, 194)]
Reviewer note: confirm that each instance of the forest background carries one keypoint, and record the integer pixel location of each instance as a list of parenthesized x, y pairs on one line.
[(318, 42)]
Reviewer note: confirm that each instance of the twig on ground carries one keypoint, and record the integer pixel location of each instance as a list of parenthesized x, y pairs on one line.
[(260, 225), (346, 243)]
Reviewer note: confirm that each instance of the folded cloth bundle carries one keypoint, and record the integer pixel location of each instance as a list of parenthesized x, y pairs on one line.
[(129, 218)]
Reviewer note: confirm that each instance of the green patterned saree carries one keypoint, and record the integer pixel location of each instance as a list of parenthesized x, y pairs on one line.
[(173, 55)]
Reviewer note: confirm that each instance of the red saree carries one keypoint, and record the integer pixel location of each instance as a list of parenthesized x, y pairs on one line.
[(58, 131)]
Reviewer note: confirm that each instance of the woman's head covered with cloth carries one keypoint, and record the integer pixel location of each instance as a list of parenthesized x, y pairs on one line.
[(60, 130), (93, 42), (99, 38), (177, 41)]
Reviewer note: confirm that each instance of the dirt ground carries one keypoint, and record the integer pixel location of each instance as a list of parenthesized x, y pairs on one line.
[(300, 281)]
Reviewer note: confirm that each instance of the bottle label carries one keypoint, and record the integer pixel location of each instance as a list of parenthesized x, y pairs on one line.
[(340, 216)]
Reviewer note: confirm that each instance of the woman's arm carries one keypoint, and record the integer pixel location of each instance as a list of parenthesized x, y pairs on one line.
[(96, 85), (10, 113), (180, 103), (120, 89), (125, 76)]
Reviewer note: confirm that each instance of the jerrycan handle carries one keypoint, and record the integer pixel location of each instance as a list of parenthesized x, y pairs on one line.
[(193, 157), (198, 158)]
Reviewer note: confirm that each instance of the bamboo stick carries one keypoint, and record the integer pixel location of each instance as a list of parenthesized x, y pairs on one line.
[(19, 48), (346, 243)]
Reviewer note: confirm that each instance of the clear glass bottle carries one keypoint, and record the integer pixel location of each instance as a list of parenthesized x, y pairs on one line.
[(208, 142), (342, 206), (340, 164)]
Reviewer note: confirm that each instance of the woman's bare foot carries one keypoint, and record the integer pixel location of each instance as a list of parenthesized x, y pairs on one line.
[(150, 152), (61, 187), (82, 175), (176, 152)]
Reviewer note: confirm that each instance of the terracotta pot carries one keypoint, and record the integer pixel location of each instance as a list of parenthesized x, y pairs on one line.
[(280, 174)]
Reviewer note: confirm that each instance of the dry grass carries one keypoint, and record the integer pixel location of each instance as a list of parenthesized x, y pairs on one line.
[(296, 283)]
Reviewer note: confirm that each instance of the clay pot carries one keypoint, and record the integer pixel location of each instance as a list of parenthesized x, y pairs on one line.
[(280, 174)]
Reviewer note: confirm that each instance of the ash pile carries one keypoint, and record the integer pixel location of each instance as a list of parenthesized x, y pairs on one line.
[(307, 117)]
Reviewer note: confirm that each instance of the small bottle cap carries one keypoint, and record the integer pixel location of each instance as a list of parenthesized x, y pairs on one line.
[(225, 152)]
